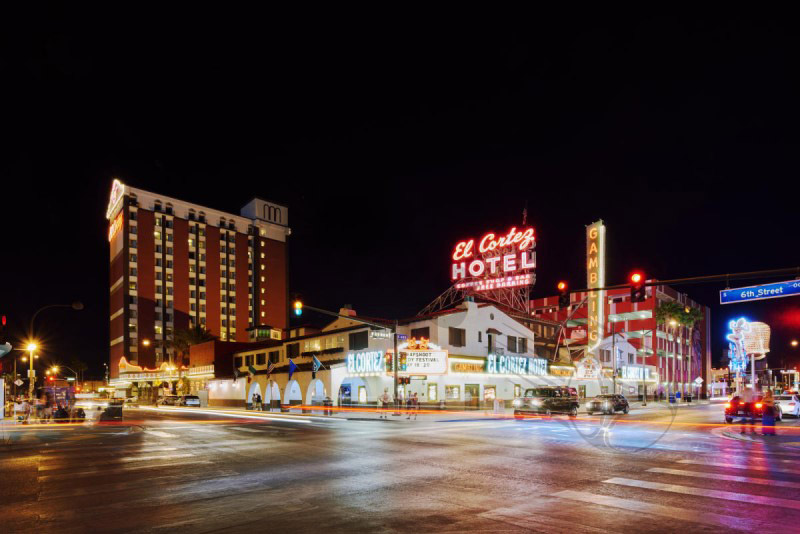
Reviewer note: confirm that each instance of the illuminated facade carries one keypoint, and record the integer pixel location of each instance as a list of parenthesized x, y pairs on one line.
[(174, 265), (678, 356)]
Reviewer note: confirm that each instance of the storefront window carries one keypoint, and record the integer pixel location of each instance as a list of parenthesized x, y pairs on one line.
[(432, 396), (362, 395), (517, 390), (452, 392), (489, 393)]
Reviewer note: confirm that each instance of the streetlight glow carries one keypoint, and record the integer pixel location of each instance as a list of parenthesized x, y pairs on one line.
[(31, 347)]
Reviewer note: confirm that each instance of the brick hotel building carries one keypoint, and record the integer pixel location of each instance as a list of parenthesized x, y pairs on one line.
[(174, 265)]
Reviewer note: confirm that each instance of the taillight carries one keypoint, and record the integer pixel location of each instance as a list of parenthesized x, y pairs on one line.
[(759, 405), (727, 405)]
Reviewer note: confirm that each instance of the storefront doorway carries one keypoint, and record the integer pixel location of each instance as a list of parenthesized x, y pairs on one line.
[(472, 395)]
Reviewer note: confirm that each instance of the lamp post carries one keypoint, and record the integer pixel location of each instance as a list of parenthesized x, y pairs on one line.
[(644, 367), (77, 306), (30, 348)]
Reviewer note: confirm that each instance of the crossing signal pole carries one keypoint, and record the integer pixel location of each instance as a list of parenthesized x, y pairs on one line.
[(638, 289)]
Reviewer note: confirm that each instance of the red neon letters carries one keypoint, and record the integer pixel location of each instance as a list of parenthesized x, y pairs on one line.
[(516, 259)]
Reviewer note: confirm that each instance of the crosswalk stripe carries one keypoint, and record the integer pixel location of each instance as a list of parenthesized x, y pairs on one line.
[(111, 452), (741, 466), (124, 459), (704, 517), (731, 478), (704, 492), (160, 434), (539, 522)]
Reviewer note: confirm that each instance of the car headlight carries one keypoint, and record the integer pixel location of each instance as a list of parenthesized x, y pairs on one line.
[(517, 402), (536, 402)]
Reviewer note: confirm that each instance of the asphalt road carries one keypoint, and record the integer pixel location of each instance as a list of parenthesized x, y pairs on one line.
[(654, 472)]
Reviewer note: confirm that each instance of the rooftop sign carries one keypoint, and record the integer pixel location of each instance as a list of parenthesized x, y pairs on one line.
[(115, 200), (495, 261)]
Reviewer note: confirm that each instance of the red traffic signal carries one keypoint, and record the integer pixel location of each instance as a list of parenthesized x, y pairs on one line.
[(563, 295), (4, 320), (638, 290)]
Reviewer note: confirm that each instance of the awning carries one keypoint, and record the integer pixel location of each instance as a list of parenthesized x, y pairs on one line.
[(494, 331)]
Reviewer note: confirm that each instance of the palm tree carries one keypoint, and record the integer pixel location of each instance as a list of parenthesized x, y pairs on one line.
[(184, 338), (670, 313), (689, 319)]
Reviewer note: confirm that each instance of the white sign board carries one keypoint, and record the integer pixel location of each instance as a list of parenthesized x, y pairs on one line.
[(698, 380), (424, 362), (18, 382)]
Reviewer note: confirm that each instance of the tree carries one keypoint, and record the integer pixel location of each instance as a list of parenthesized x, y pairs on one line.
[(670, 314), (689, 319), (184, 338)]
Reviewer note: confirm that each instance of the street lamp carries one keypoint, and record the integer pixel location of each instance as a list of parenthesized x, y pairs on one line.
[(794, 343), (77, 306)]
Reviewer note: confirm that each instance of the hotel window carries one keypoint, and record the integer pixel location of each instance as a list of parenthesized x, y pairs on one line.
[(419, 332), (191, 242), (158, 329), (274, 356), (133, 229), (511, 344), (261, 358), (224, 322), (262, 255), (452, 392), (522, 345), (480, 336), (169, 237), (158, 249), (158, 262), (158, 275), (169, 264), (159, 303), (169, 290), (233, 263), (237, 361), (157, 234), (202, 295), (432, 395), (169, 277), (248, 360), (158, 221), (192, 268), (293, 350), (133, 286), (359, 340), (458, 337), (193, 307), (233, 323), (262, 279), (132, 299), (133, 243), (133, 271), (159, 289), (133, 215), (169, 250), (133, 258), (202, 308)]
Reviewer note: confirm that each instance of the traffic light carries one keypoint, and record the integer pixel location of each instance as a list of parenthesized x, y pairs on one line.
[(298, 307), (563, 295), (638, 290)]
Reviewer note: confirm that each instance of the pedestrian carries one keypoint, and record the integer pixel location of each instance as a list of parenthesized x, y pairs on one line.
[(384, 400), (414, 404), (409, 405), (768, 414), (259, 403), (748, 398)]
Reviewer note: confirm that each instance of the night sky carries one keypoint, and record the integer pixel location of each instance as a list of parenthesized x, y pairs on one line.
[(393, 139)]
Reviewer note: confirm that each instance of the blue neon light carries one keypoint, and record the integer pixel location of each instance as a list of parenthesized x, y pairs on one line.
[(776, 290)]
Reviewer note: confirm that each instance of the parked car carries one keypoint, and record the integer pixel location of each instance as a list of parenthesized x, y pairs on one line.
[(189, 400), (608, 404), (169, 400), (131, 402), (736, 407), (547, 400)]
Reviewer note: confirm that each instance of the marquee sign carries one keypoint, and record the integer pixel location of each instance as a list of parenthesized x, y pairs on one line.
[(423, 362), (495, 261)]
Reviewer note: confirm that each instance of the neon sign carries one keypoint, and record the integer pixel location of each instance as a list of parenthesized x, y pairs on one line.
[(366, 362), (114, 227), (738, 351), (115, 200), (496, 261), (516, 365), (595, 278)]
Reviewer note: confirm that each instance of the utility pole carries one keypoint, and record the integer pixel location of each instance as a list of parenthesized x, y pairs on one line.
[(394, 358)]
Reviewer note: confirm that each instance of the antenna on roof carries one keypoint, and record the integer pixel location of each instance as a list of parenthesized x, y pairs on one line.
[(525, 213)]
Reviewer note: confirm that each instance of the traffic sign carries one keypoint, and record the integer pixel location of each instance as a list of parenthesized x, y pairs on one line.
[(698, 380), (18, 382), (766, 291)]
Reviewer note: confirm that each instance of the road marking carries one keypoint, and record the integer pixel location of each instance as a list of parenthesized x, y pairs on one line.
[(694, 516), (243, 429), (160, 434), (740, 466), (538, 522), (705, 492), (731, 478)]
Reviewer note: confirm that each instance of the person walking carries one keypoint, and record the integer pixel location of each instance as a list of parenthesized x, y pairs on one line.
[(749, 419), (413, 406), (384, 400), (409, 405), (768, 414)]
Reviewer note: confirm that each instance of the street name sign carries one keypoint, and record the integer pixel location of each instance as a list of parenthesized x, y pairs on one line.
[(766, 291)]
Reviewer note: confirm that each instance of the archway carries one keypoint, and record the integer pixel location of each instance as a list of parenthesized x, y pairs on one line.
[(254, 389), (316, 392), (352, 391), (292, 394), (272, 395)]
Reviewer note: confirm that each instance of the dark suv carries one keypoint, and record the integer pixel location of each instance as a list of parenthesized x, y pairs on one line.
[(737, 407), (547, 400), (608, 404)]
